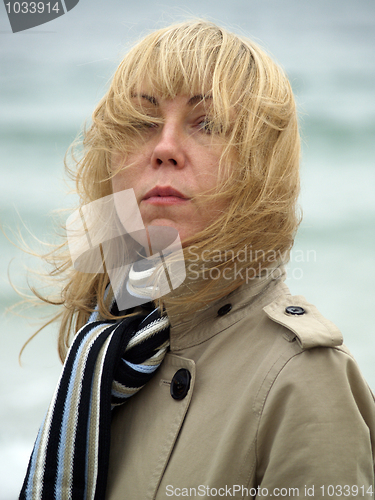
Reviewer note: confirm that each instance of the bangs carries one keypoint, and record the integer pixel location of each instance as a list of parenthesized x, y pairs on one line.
[(188, 59), (176, 61)]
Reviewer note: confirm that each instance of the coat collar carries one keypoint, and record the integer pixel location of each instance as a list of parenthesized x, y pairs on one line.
[(190, 330)]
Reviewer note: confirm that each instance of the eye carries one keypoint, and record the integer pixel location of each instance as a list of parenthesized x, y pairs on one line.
[(205, 125), (144, 125)]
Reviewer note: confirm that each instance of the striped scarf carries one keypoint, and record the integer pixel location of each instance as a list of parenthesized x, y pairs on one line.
[(108, 362)]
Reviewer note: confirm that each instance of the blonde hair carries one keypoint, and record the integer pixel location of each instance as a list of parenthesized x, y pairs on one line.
[(260, 159)]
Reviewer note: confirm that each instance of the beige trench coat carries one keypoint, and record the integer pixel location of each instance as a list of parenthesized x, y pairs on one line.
[(276, 406)]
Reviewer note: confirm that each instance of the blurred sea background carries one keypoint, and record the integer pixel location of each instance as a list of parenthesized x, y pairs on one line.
[(51, 78)]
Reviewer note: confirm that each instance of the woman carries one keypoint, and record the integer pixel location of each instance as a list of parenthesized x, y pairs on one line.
[(247, 391)]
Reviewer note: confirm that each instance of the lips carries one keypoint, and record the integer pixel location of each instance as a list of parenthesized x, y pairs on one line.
[(164, 192), (164, 196)]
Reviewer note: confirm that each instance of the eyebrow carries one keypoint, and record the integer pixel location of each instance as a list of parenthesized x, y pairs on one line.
[(191, 102), (197, 99)]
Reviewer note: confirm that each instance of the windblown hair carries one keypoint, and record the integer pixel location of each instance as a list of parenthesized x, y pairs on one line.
[(253, 114)]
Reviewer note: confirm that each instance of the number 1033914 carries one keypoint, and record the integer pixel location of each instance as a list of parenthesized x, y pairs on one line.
[(32, 7), (347, 491)]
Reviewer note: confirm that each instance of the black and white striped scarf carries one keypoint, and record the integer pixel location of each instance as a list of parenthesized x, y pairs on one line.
[(108, 362)]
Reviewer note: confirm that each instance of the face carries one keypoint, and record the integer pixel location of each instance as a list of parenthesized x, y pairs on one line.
[(178, 160)]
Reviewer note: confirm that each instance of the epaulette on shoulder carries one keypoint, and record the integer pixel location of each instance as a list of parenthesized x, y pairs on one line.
[(310, 328)]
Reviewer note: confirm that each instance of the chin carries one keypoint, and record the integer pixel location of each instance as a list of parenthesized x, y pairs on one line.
[(158, 236)]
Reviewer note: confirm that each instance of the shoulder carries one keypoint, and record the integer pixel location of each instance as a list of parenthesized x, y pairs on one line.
[(316, 366), (308, 361), (280, 327)]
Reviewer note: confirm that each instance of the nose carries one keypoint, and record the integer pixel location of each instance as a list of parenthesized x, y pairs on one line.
[(168, 150)]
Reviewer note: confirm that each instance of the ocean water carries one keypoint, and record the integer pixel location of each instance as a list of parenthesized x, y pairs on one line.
[(51, 78)]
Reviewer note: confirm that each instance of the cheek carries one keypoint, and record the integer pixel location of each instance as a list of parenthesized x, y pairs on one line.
[(208, 177), (117, 183), (127, 170), (117, 159), (124, 179)]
